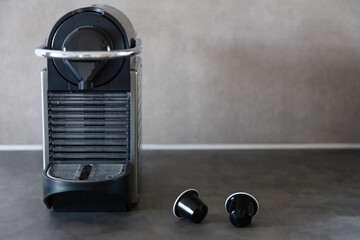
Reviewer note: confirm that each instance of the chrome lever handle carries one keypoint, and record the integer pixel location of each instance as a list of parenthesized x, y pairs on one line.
[(89, 55)]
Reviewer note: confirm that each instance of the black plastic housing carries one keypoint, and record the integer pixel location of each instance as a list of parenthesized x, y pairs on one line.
[(109, 20), (113, 194), (104, 196)]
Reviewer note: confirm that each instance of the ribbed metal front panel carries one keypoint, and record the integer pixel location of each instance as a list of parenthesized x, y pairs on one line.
[(89, 126)]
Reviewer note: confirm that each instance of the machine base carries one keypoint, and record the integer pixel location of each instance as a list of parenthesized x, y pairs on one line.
[(89, 201), (111, 195)]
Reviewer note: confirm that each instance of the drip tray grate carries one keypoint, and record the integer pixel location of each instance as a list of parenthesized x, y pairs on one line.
[(86, 171)]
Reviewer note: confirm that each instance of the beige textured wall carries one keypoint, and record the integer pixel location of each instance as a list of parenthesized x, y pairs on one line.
[(214, 71)]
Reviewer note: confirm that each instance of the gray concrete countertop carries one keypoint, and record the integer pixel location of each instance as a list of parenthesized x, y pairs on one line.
[(302, 194)]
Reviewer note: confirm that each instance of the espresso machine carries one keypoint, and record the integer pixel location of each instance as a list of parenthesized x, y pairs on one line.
[(91, 112)]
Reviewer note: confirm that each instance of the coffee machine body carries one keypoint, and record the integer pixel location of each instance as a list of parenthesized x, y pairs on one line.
[(91, 111)]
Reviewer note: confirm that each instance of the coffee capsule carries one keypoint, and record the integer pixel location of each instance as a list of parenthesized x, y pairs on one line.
[(189, 205), (242, 207)]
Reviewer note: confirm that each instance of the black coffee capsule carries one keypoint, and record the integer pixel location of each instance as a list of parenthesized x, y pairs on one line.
[(189, 205), (242, 207)]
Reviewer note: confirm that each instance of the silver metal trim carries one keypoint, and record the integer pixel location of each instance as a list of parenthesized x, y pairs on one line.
[(89, 55), (44, 113), (135, 78)]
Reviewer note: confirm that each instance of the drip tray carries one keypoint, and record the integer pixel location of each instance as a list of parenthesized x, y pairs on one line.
[(86, 171)]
